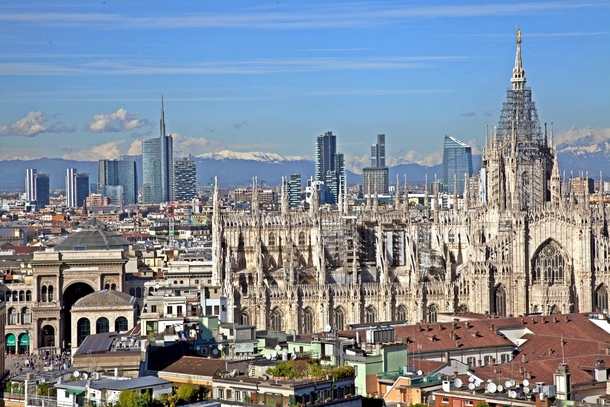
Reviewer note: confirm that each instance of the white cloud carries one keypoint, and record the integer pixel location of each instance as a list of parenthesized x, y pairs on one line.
[(105, 151), (33, 125), (135, 148), (121, 120)]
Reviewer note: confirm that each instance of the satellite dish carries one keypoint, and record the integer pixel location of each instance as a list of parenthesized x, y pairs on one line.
[(491, 387), (278, 348), (268, 356), (471, 379), (478, 383), (76, 373), (507, 384), (471, 386), (526, 382), (419, 372), (500, 388), (293, 356), (85, 376), (327, 328), (457, 383), (43, 380), (526, 390), (215, 351), (218, 338), (219, 346), (512, 383), (274, 354), (198, 348), (512, 394)]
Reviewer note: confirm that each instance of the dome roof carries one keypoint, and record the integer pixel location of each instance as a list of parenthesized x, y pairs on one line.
[(93, 239), (110, 298)]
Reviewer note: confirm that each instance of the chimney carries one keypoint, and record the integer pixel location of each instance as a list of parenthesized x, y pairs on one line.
[(447, 357), (467, 324), (523, 359), (554, 319), (543, 320), (454, 326), (528, 375), (492, 328), (493, 361), (566, 319), (441, 327), (522, 321)]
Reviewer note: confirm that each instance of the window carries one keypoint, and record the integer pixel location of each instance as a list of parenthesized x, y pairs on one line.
[(549, 264), (500, 301), (132, 291), (445, 400), (308, 321), (468, 403), (43, 294), (153, 308), (179, 310), (238, 395), (228, 394), (221, 393), (50, 293), (12, 316), (601, 298), (471, 362), (121, 324), (339, 318), (432, 313), (170, 310), (370, 315), (26, 316), (216, 310), (504, 358), (28, 295), (271, 239), (487, 360), (301, 239), (83, 329), (401, 313), (276, 320), (102, 325)]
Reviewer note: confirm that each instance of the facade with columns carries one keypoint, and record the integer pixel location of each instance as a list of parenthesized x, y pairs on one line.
[(515, 242)]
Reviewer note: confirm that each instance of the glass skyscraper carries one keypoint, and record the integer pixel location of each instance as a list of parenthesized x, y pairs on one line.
[(330, 167), (77, 188), (376, 176), (378, 152), (158, 167), (457, 163), (118, 180), (43, 190)]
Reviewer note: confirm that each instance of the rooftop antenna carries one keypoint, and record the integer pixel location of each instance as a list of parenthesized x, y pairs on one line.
[(563, 356)]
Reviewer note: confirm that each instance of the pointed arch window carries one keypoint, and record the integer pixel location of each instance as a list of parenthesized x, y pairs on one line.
[(432, 313), (301, 239), (308, 321), (370, 315), (549, 264), (500, 301), (401, 313), (276, 320), (601, 298), (271, 239), (339, 318)]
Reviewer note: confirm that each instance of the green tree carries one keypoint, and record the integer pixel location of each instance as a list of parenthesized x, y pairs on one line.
[(132, 398), (45, 389), (187, 392)]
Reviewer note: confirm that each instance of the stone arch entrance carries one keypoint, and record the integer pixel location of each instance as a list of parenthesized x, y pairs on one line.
[(72, 293)]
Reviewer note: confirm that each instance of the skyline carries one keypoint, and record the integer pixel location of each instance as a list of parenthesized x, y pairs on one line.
[(85, 82)]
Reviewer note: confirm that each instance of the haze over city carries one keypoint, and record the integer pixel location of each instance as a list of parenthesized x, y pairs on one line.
[(84, 81)]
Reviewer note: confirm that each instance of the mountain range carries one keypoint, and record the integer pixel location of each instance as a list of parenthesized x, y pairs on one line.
[(587, 153)]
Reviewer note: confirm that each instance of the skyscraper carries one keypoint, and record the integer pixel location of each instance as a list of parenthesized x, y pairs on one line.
[(117, 179), (185, 179), (330, 167), (158, 166), (457, 162), (43, 190), (376, 176), (378, 152), (294, 190), (77, 187), (30, 184)]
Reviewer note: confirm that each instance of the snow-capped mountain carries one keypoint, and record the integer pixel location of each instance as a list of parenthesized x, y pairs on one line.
[(590, 152), (249, 156)]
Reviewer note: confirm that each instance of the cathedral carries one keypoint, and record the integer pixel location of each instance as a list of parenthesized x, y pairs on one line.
[(518, 240)]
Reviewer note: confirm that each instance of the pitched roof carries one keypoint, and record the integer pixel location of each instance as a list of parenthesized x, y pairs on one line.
[(196, 366)]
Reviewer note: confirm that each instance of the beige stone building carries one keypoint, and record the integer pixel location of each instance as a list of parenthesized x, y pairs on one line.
[(39, 301), (517, 242)]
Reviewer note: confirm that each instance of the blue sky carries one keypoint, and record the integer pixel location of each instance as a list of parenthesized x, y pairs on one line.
[(83, 80)]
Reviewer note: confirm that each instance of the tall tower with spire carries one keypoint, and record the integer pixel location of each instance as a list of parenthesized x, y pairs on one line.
[(158, 166), (518, 163)]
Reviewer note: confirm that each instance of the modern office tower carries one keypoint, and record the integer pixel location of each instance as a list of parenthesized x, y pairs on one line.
[(326, 148), (30, 184), (457, 162), (43, 190), (330, 167), (376, 178), (158, 166), (77, 188), (294, 190), (185, 179), (118, 180), (378, 152)]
